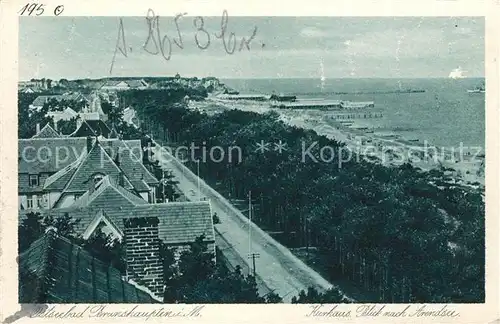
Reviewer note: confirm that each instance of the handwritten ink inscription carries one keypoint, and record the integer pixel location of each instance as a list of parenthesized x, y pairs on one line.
[(38, 9), (390, 311), (158, 42)]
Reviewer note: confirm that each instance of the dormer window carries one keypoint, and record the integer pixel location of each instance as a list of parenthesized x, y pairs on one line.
[(98, 178), (33, 180)]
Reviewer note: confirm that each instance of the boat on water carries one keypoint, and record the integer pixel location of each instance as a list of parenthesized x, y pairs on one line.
[(480, 89), (457, 73)]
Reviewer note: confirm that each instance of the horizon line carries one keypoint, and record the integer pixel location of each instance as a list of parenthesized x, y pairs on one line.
[(243, 78)]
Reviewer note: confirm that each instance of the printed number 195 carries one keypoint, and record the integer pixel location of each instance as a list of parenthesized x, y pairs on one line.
[(38, 9)]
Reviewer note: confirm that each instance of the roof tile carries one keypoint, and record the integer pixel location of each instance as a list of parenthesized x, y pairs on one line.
[(77, 276), (47, 132), (180, 222)]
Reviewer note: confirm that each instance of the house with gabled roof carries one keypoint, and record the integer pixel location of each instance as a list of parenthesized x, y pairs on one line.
[(137, 84), (118, 85), (54, 172), (141, 228), (99, 163), (56, 270), (46, 132), (180, 223), (91, 127), (39, 101), (27, 90), (108, 192), (66, 114)]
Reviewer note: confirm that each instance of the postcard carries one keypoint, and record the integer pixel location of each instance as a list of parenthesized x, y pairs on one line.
[(249, 162)]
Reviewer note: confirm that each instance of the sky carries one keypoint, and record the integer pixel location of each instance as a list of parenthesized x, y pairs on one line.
[(283, 47)]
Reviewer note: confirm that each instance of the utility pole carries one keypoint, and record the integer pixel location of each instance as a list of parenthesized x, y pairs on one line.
[(307, 238), (254, 256), (199, 191), (249, 222), (251, 254)]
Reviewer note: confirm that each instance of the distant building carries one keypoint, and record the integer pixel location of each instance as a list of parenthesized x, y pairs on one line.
[(40, 101), (253, 97), (210, 81), (46, 132), (130, 117), (27, 90), (91, 127), (112, 85), (308, 104), (39, 85), (90, 111), (66, 115)]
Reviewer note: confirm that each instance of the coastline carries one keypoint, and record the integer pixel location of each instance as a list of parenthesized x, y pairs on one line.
[(461, 167)]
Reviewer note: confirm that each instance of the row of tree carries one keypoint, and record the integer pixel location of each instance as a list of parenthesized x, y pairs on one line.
[(28, 118), (387, 230)]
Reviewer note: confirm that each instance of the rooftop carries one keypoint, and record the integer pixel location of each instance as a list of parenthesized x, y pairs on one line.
[(47, 132), (41, 100), (180, 223), (55, 270), (108, 192), (61, 157), (91, 127)]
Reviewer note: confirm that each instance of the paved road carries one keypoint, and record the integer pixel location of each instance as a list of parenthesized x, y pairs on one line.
[(276, 266), (234, 259)]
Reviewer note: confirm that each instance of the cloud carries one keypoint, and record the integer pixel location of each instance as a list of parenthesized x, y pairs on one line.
[(396, 44), (313, 32)]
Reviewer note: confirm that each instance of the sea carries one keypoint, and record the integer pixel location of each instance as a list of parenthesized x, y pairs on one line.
[(445, 115)]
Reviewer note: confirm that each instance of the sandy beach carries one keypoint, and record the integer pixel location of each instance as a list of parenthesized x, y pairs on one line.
[(461, 167)]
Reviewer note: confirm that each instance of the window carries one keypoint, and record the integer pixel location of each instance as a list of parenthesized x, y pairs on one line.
[(29, 203), (98, 177), (77, 196), (40, 201), (33, 180)]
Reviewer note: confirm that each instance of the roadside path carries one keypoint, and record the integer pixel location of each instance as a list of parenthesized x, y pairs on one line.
[(276, 266)]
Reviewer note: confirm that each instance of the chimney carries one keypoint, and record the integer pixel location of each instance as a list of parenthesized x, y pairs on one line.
[(117, 158), (142, 248), (121, 179), (55, 126), (89, 143), (37, 128)]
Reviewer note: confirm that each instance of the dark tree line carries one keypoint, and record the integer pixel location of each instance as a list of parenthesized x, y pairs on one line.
[(67, 127), (27, 119), (388, 230), (60, 105)]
